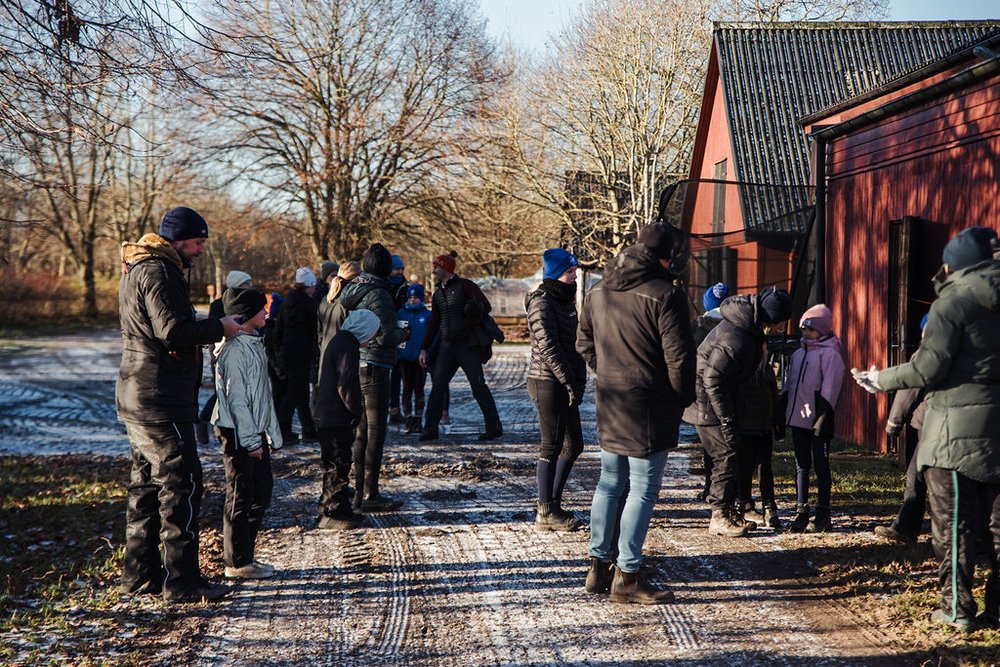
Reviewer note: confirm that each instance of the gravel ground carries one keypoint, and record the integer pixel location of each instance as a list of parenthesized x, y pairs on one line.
[(460, 576)]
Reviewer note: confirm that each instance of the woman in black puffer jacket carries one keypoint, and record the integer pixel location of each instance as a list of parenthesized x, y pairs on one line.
[(556, 381)]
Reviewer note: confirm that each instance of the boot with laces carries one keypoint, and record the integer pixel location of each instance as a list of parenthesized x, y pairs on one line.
[(547, 518), (722, 524)]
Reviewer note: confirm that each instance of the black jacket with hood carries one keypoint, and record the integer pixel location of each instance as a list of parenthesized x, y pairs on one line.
[(727, 359), (635, 333), (161, 365)]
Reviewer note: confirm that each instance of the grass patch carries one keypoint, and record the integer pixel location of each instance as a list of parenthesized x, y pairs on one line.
[(890, 585), (62, 523)]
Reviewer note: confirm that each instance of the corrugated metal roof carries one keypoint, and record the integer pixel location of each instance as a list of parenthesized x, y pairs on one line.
[(775, 73)]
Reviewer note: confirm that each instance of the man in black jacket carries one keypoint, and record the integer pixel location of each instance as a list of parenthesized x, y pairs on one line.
[(295, 347), (157, 398), (635, 333), (458, 307), (727, 358)]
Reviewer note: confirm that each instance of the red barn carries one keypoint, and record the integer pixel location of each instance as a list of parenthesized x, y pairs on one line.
[(749, 202), (901, 170)]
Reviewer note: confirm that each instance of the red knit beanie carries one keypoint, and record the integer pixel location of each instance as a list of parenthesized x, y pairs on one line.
[(446, 262)]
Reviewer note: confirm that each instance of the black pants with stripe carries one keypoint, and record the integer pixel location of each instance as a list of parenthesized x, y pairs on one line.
[(164, 499), (249, 483), (962, 510)]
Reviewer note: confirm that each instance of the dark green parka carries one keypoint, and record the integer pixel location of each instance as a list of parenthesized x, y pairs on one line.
[(959, 364)]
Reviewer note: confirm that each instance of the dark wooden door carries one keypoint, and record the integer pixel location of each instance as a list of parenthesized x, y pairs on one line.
[(903, 341)]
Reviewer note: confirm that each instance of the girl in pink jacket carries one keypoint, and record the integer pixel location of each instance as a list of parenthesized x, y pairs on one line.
[(810, 394)]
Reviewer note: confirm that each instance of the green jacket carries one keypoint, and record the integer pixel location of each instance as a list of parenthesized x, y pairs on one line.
[(384, 349), (959, 363)]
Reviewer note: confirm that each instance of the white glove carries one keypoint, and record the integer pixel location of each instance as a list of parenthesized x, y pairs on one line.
[(867, 380)]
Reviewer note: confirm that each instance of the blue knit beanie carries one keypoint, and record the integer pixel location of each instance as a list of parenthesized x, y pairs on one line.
[(397, 262), (714, 295), (417, 290), (555, 262), (182, 223)]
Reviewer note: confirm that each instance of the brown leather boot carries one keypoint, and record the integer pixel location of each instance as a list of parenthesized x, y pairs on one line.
[(633, 587), (598, 576)]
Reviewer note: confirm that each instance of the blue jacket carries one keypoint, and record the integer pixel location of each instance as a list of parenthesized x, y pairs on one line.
[(418, 316)]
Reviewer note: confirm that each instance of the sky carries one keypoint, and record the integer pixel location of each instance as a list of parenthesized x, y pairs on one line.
[(528, 22)]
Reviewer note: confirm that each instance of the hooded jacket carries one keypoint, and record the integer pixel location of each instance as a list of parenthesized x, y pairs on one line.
[(245, 402), (161, 365), (958, 361), (552, 323), (383, 350), (728, 358), (338, 396), (812, 385), (635, 334)]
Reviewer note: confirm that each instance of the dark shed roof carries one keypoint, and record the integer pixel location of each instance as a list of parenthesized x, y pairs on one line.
[(776, 73)]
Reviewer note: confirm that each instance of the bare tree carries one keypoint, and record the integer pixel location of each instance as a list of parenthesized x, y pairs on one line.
[(600, 125), (343, 109), (803, 10)]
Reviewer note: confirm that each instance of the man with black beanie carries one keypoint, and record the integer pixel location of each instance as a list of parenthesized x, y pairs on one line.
[(729, 356), (157, 398), (635, 334), (371, 290), (958, 366)]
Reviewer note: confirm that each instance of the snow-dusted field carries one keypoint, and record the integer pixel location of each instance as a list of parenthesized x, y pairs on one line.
[(460, 576)]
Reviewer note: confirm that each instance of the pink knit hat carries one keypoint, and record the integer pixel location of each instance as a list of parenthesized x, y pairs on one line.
[(818, 317)]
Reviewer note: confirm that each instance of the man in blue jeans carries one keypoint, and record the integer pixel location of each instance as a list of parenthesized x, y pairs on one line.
[(635, 333)]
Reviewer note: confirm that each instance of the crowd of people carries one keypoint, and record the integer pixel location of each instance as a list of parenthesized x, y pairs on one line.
[(351, 352)]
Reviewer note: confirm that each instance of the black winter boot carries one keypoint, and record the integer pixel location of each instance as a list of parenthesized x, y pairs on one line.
[(820, 522), (598, 576), (801, 519), (547, 518), (633, 587)]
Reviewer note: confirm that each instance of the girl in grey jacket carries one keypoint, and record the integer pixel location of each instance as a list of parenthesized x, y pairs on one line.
[(248, 428)]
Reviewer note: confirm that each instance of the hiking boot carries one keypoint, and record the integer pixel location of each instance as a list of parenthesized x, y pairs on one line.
[(988, 620), (201, 431), (599, 576), (547, 518), (890, 534), (801, 519), (429, 434), (147, 588), (253, 570), (408, 425), (633, 587), (722, 524), (771, 519), (203, 592), (379, 503), (820, 522), (939, 617), (342, 521), (491, 434), (739, 518), (395, 416)]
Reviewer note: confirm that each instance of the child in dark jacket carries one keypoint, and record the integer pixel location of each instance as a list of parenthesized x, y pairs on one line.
[(414, 376), (756, 403), (811, 390), (339, 408)]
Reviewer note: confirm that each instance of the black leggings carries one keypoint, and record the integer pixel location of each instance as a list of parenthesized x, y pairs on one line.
[(811, 451), (561, 435), (414, 378), (756, 450)]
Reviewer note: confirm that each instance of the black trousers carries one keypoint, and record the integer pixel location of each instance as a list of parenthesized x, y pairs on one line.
[(335, 452), (960, 509), (450, 358), (558, 421), (296, 397), (725, 466), (249, 483), (755, 451), (369, 439), (395, 382), (414, 378), (164, 499), (910, 518), (811, 451)]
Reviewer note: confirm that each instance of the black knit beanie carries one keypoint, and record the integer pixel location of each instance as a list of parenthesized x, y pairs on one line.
[(967, 248), (775, 305), (659, 238), (183, 223), (246, 302)]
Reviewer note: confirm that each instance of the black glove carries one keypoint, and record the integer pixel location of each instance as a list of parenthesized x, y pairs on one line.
[(407, 333)]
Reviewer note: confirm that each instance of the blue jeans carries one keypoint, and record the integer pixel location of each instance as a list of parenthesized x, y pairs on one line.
[(640, 479)]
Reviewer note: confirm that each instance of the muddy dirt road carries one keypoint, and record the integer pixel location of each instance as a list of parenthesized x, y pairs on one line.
[(460, 576)]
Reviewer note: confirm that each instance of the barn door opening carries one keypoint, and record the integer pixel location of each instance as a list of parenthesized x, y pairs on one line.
[(903, 316)]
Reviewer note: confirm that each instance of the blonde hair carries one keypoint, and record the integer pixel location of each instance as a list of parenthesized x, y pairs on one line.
[(348, 271)]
